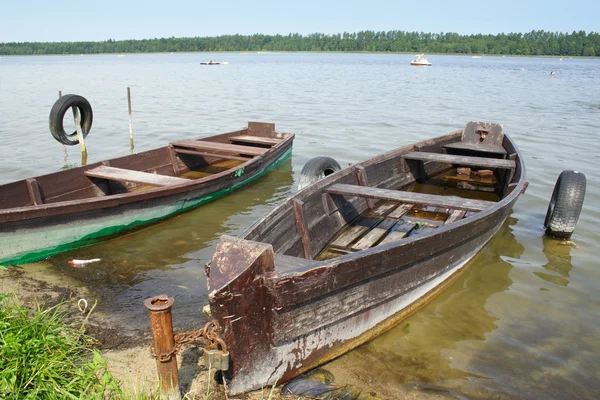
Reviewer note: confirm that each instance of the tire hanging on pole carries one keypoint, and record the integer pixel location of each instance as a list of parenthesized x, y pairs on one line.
[(57, 114)]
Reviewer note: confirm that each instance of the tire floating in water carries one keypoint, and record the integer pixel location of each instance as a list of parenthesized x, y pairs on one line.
[(316, 169), (565, 204), (57, 115)]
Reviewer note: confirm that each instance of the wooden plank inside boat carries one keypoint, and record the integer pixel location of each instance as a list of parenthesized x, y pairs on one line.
[(455, 216), (254, 140), (477, 147), (224, 147), (400, 211), (127, 175), (207, 154), (410, 197), (355, 231), (399, 232), (374, 235), (359, 226), (460, 160)]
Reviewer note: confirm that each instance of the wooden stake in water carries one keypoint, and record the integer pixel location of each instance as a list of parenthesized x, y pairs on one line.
[(64, 147), (80, 135), (130, 120)]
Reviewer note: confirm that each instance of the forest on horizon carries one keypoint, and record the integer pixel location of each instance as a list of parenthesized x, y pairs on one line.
[(536, 43)]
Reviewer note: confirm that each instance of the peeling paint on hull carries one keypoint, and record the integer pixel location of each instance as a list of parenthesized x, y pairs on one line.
[(282, 309), (342, 336)]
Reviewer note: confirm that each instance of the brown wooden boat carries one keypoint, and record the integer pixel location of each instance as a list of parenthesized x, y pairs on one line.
[(348, 257), (77, 207)]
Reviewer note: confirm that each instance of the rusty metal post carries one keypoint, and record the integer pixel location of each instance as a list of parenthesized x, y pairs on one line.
[(161, 324)]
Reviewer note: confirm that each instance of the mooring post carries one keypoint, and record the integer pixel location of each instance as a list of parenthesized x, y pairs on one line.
[(79, 135), (161, 324), (63, 145), (130, 120)]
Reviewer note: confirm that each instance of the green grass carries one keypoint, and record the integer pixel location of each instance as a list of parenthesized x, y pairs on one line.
[(44, 357)]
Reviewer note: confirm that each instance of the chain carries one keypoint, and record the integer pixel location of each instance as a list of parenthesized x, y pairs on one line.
[(205, 337)]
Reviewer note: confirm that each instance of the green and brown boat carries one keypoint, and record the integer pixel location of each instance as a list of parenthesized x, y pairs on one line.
[(73, 208)]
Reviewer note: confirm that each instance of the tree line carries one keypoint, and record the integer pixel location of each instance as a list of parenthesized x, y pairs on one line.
[(537, 43)]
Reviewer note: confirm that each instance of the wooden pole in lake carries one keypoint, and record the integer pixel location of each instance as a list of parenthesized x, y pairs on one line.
[(79, 135), (163, 347), (64, 147), (130, 119)]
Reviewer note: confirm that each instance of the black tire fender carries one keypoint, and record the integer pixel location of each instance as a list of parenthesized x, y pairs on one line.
[(316, 169), (565, 204), (57, 114)]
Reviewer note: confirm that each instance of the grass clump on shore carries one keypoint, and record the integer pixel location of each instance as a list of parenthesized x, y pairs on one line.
[(43, 356)]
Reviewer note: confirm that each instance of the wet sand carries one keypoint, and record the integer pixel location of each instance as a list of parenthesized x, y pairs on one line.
[(128, 354)]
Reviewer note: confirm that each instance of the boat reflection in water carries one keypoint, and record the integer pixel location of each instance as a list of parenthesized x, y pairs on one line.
[(430, 351), (491, 335)]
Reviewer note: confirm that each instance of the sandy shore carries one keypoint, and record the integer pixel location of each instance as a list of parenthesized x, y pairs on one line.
[(129, 356)]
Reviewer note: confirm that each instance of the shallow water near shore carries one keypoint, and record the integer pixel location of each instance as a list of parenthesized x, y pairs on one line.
[(522, 320)]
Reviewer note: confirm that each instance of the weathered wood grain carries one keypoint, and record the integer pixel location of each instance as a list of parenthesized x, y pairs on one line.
[(127, 175), (255, 140), (224, 147), (486, 133), (207, 154), (301, 226), (353, 233), (455, 216), (410, 197), (383, 209), (400, 211), (398, 233), (373, 235), (34, 191), (361, 177), (483, 148), (461, 160)]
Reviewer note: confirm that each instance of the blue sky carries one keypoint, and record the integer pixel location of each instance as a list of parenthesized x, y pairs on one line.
[(59, 20)]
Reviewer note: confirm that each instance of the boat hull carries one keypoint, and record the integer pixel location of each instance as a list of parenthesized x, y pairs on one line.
[(330, 323), (283, 309), (66, 228)]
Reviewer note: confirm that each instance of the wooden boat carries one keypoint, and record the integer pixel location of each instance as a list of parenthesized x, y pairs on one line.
[(348, 257), (73, 208)]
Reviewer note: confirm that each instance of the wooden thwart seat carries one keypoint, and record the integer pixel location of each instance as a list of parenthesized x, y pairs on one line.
[(221, 147), (483, 148), (128, 175), (255, 140), (453, 202), (461, 160), (207, 154)]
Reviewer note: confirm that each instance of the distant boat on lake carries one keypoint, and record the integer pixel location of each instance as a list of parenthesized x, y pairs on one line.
[(421, 60), (214, 63)]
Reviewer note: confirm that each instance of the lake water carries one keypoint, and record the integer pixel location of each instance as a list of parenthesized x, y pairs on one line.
[(521, 322)]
